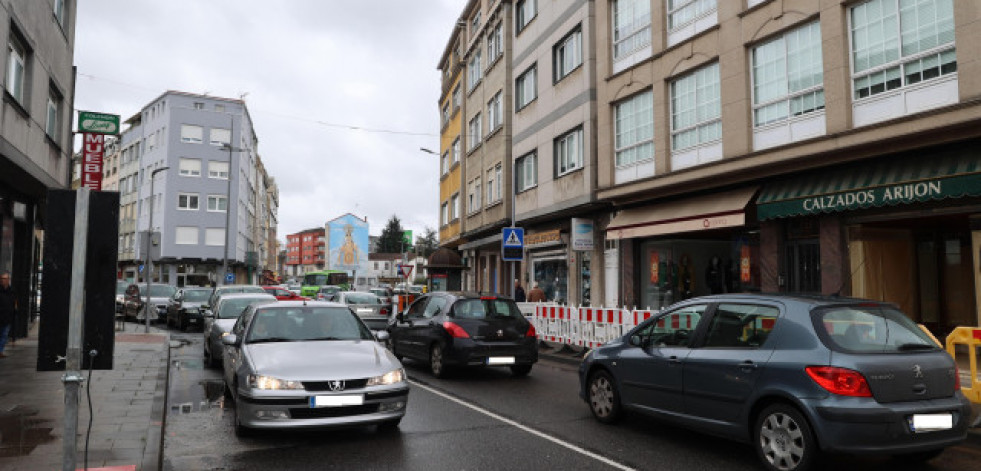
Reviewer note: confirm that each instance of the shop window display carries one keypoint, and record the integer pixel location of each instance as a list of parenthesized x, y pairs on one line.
[(676, 270), (553, 277)]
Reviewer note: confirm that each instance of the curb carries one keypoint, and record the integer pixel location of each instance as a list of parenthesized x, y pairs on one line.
[(153, 453)]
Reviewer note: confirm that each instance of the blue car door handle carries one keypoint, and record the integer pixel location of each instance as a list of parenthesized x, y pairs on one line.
[(674, 359), (748, 366)]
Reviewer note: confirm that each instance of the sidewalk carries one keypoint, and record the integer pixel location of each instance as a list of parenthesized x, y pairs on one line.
[(128, 404)]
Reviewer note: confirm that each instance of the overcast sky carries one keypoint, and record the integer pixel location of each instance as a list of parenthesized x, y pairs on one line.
[(311, 69)]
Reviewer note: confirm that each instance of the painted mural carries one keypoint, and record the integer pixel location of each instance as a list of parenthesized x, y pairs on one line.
[(347, 243)]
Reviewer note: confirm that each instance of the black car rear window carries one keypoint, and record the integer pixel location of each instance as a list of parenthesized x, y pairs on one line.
[(484, 308), (870, 329)]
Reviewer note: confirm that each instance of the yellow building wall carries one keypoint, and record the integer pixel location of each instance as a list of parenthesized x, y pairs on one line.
[(452, 182)]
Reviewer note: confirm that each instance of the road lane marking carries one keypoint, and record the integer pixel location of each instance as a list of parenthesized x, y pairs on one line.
[(530, 430)]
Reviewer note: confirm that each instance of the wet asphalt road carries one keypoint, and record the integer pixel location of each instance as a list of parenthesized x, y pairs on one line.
[(476, 419)]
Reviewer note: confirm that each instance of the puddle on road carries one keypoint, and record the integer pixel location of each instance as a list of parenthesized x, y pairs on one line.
[(21, 432), (214, 398)]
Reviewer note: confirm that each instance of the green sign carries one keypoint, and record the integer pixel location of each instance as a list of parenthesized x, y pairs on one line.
[(407, 238), (98, 123)]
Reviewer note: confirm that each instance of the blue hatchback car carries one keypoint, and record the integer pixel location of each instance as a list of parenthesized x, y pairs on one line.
[(794, 376)]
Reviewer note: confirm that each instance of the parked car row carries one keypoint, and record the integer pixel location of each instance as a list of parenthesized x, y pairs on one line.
[(793, 376)]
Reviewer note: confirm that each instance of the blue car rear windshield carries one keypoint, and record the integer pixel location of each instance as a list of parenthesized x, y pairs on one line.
[(871, 329)]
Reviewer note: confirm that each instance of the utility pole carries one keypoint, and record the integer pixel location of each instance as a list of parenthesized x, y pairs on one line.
[(149, 235), (76, 319)]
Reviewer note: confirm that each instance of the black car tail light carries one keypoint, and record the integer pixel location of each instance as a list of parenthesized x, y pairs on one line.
[(455, 331), (531, 331)]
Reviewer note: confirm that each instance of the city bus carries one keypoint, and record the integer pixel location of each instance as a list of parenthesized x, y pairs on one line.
[(312, 281)]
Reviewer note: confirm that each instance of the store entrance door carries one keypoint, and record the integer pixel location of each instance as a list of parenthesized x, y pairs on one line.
[(803, 258)]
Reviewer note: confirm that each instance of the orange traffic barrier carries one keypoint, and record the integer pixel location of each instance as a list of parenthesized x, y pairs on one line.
[(970, 336)]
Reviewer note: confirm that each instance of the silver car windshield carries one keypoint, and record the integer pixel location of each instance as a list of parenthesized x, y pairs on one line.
[(298, 324), (232, 308)]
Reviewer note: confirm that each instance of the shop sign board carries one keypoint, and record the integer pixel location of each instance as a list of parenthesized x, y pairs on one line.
[(512, 244), (542, 238), (98, 123), (582, 234), (92, 150)]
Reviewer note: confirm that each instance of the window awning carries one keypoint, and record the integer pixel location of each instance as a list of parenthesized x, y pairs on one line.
[(726, 209), (913, 179)]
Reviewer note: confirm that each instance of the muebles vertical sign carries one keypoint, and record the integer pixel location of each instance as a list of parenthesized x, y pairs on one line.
[(94, 127)]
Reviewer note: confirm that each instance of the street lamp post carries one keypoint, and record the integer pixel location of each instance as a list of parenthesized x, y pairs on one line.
[(149, 235), (228, 209)]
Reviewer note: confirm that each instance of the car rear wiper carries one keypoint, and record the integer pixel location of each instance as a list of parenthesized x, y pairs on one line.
[(916, 346), (271, 339)]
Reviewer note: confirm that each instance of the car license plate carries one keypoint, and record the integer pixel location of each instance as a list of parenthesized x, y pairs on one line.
[(931, 422), (500, 360), (336, 401)]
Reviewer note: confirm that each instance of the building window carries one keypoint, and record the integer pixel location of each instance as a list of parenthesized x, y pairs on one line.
[(495, 111), (456, 98), (60, 13), (198, 105), (631, 26), (475, 23), (683, 12), (695, 108), (634, 128), (526, 87), (526, 11), (445, 114), (214, 236), (567, 54), (473, 196), (444, 163), (896, 44), (186, 235), (526, 171), (495, 44), (568, 152), (217, 169), (444, 215), (474, 72), (218, 203), (16, 66), (788, 76), (474, 129), (53, 116), (191, 134), (454, 206), (187, 201), (190, 167), (455, 150), (491, 199), (220, 137)]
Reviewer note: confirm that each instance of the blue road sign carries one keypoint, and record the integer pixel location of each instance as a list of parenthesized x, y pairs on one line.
[(141, 268), (229, 277), (512, 244)]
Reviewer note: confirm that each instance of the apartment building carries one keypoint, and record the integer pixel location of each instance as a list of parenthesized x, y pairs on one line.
[(798, 146), (196, 153), (35, 133), (488, 204), (554, 144), (306, 251)]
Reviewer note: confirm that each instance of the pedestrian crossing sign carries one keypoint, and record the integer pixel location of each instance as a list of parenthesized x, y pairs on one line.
[(512, 244)]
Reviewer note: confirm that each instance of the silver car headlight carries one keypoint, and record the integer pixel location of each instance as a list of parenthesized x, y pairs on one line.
[(270, 383), (392, 377)]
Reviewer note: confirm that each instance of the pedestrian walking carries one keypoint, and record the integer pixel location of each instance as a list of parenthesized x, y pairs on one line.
[(536, 295), (519, 292), (7, 307)]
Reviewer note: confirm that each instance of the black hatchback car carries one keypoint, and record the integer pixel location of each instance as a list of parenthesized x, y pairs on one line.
[(450, 329), (792, 375)]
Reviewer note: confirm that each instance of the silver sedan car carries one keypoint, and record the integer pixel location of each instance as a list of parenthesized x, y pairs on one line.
[(310, 364)]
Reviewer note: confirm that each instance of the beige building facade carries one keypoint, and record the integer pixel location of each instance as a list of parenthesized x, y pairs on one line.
[(783, 150)]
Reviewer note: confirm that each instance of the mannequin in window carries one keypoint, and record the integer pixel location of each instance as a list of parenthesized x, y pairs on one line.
[(715, 276), (686, 278)]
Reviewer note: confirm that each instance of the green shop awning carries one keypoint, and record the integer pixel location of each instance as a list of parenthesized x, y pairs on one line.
[(885, 182)]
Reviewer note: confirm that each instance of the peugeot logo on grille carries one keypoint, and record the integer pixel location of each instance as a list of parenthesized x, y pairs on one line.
[(917, 371), (336, 385)]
